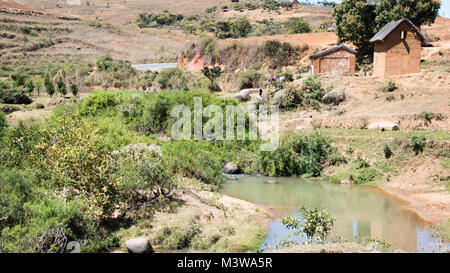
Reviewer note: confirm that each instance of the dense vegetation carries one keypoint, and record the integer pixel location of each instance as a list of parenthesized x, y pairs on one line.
[(92, 167)]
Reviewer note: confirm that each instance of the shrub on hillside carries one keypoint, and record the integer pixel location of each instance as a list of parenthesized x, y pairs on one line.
[(104, 62), (291, 100), (250, 78), (12, 94), (192, 159), (98, 102), (72, 153), (297, 25), (296, 155), (312, 91), (172, 78), (143, 173), (418, 143), (279, 54)]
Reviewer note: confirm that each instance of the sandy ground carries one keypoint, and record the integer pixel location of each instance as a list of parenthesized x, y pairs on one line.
[(233, 223), (418, 184)]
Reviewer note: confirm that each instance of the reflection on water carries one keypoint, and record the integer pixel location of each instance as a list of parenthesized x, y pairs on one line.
[(359, 211)]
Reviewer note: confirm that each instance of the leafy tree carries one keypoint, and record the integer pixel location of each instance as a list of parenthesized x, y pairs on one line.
[(62, 88), (38, 86), (187, 27), (19, 79), (241, 28), (298, 25), (29, 86), (357, 21), (74, 89), (104, 62), (212, 74), (418, 143), (49, 87)]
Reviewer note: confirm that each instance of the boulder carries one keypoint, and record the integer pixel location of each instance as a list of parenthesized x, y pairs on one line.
[(139, 245), (335, 96), (242, 97), (345, 182), (383, 125), (272, 182), (250, 91), (231, 168), (305, 114), (278, 96)]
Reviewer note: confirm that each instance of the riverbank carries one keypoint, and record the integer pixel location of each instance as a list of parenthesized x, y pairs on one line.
[(422, 179), (204, 221)]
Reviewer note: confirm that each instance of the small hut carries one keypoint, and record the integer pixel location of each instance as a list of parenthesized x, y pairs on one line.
[(334, 62), (397, 49)]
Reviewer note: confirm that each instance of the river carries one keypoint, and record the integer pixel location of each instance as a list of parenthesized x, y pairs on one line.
[(359, 211)]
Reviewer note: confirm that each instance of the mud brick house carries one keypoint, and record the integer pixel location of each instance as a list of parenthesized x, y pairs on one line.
[(397, 49), (334, 62)]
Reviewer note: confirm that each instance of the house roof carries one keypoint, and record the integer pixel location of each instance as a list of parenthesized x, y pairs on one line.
[(387, 29), (336, 48)]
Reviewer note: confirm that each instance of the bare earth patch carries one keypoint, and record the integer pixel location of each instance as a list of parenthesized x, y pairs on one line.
[(418, 184)]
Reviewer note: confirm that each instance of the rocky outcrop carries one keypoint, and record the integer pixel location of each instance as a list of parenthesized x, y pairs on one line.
[(231, 168), (242, 96), (305, 114), (335, 96), (276, 99), (139, 245), (384, 126)]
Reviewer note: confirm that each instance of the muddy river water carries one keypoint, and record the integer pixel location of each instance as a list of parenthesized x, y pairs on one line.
[(359, 211)]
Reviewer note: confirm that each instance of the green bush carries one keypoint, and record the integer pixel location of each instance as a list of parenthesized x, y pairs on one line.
[(296, 155), (418, 143), (98, 102), (314, 222), (19, 144), (192, 159), (157, 113), (389, 86), (387, 151), (17, 188), (291, 100), (211, 9), (3, 123), (49, 87), (141, 169), (74, 156), (11, 94), (74, 89), (172, 78), (298, 25), (241, 28), (279, 54), (62, 88), (312, 91), (250, 78), (104, 62), (365, 175), (158, 19)]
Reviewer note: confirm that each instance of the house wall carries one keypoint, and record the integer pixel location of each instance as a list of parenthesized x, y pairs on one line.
[(395, 56), (335, 64)]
